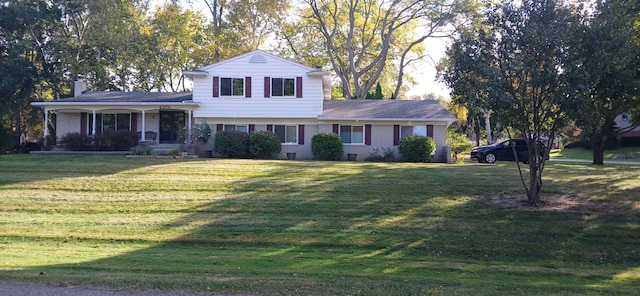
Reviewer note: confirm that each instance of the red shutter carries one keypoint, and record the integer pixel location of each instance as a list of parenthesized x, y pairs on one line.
[(396, 135), (219, 127), (301, 134), (430, 130), (298, 87), (267, 87), (134, 122), (83, 123), (252, 127), (367, 134), (247, 87), (336, 129), (216, 86), (270, 127)]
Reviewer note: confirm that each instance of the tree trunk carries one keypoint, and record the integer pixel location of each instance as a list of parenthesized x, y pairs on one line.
[(598, 155), (487, 125), (597, 145)]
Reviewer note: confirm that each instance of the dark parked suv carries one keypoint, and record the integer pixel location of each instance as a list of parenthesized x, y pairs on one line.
[(502, 151)]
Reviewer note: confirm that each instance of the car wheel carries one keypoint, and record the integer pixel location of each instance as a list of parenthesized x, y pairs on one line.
[(490, 157)]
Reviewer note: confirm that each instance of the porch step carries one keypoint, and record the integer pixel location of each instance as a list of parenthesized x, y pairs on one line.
[(164, 148)]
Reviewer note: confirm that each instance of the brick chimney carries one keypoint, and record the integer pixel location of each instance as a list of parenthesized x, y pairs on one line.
[(79, 87)]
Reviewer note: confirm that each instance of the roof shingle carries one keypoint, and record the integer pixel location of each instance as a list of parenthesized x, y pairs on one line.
[(385, 109)]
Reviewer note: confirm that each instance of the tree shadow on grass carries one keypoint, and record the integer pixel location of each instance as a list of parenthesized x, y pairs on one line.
[(296, 227)]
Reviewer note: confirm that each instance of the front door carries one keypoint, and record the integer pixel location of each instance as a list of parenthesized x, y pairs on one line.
[(171, 126)]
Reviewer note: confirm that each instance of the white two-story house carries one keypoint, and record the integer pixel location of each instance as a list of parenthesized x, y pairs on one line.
[(252, 92)]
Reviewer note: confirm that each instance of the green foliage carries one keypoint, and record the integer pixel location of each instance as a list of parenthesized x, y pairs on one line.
[(139, 150), (233, 144), (459, 143), (377, 95), (77, 142), (6, 140), (116, 140), (264, 144), (417, 148), (202, 132), (327, 146)]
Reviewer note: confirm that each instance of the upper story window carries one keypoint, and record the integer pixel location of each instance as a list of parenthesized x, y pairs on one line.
[(286, 133), (232, 87), (352, 134), (283, 87), (626, 116), (410, 130)]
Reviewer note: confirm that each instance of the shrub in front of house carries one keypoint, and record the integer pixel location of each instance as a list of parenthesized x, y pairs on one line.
[(232, 144), (327, 146), (77, 142), (417, 148), (116, 140), (264, 144)]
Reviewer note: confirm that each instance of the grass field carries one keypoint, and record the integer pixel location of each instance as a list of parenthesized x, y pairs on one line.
[(315, 228), (621, 154)]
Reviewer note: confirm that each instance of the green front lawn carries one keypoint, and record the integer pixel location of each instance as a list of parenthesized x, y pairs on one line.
[(621, 154), (315, 228)]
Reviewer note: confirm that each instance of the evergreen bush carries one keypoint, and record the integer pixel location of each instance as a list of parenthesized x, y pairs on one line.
[(264, 144), (327, 146), (116, 140), (77, 142), (417, 148), (233, 144)]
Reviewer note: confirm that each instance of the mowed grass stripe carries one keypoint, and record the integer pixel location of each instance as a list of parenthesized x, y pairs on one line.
[(313, 228)]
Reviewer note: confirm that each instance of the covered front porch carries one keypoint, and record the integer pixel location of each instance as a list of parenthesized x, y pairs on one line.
[(159, 118)]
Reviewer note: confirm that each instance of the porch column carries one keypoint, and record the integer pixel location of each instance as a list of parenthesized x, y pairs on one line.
[(46, 128), (93, 126), (142, 132), (189, 127)]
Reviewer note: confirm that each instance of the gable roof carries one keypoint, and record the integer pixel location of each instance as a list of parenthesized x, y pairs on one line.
[(425, 110), (256, 56)]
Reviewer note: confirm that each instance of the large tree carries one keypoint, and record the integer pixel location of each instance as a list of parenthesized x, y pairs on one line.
[(467, 69), (525, 48), (363, 38), (27, 59), (238, 26), (174, 34), (608, 63)]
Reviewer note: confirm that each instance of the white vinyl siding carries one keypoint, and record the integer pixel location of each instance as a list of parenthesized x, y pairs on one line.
[(308, 106)]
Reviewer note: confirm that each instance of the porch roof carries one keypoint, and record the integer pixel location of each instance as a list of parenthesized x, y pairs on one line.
[(131, 100)]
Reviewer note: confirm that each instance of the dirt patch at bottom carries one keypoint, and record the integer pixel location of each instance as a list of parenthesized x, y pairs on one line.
[(549, 202)]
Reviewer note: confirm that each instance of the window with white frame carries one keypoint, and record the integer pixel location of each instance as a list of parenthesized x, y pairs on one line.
[(283, 87), (233, 87), (352, 134), (410, 130), (111, 122), (236, 127), (286, 133)]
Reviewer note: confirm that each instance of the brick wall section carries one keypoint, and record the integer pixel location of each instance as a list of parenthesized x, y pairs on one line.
[(67, 123), (381, 139)]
